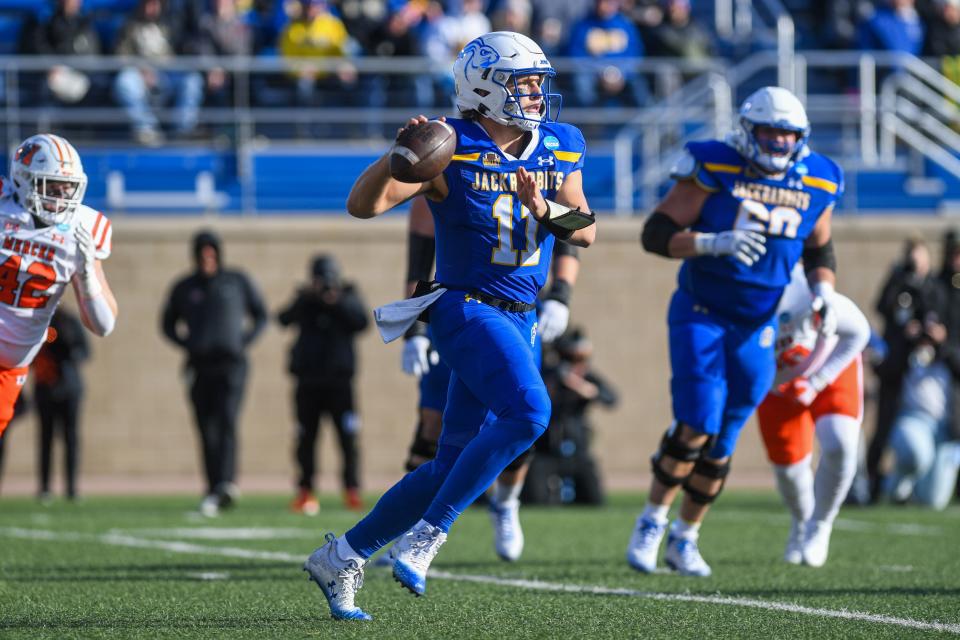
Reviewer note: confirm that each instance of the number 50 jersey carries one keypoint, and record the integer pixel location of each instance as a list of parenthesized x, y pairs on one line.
[(785, 208), (36, 263)]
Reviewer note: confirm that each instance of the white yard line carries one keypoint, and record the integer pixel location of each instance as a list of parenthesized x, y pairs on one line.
[(843, 524), (537, 585)]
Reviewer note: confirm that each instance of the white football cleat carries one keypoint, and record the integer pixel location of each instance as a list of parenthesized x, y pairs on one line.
[(793, 554), (507, 534), (413, 553), (210, 506), (817, 544), (339, 585), (645, 544), (683, 556)]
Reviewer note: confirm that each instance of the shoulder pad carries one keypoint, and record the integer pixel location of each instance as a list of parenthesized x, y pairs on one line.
[(100, 229)]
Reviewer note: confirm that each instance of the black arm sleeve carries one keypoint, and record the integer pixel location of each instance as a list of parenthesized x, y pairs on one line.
[(421, 251), (822, 256), (657, 231), (561, 248)]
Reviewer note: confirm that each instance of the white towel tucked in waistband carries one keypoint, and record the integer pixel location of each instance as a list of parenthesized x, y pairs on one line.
[(395, 318)]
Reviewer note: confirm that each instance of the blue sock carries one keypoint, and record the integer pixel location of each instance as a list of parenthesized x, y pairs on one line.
[(482, 460), (402, 506)]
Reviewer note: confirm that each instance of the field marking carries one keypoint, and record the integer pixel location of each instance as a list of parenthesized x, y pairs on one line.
[(234, 552), (210, 575), (221, 533), (841, 524)]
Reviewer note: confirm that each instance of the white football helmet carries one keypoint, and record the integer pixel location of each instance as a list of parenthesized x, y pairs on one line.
[(486, 73), (48, 178), (773, 107)]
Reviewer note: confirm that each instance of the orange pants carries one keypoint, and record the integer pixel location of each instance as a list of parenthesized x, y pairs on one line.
[(11, 383), (787, 426)]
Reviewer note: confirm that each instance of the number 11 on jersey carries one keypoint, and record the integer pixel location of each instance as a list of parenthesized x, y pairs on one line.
[(505, 254)]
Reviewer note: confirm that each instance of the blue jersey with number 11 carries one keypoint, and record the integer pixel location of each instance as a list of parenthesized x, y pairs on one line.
[(486, 240), (784, 208)]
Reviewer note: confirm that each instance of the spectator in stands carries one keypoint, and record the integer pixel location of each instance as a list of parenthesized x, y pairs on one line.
[(363, 18), (214, 314), (894, 26), (911, 301), (68, 32), (223, 32), (513, 15), (149, 35), (839, 20), (329, 313), (552, 20), (943, 35), (318, 33), (678, 35), (397, 36), (58, 391), (603, 41)]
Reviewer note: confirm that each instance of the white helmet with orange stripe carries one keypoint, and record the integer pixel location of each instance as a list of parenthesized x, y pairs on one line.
[(48, 178)]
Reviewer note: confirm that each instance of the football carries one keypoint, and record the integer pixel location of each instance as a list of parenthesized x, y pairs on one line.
[(422, 151)]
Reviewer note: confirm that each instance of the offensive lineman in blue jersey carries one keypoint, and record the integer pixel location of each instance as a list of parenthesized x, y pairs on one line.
[(513, 181), (740, 215)]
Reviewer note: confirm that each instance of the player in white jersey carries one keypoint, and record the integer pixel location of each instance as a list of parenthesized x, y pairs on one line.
[(48, 239), (818, 388)]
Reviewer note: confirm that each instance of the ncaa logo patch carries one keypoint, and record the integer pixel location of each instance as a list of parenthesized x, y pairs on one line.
[(551, 142), (766, 337)]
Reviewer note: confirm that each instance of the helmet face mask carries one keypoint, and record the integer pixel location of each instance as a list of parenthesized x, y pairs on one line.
[(48, 178), (764, 117), (489, 75)]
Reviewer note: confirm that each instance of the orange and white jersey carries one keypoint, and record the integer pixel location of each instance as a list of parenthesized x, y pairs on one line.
[(36, 263), (801, 351)]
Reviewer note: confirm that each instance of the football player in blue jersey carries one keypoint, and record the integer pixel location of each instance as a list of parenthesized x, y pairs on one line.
[(513, 185), (741, 213), (420, 360)]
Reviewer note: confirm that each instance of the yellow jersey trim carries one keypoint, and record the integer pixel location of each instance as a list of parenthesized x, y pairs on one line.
[(567, 156), (466, 157), (820, 183), (722, 168)]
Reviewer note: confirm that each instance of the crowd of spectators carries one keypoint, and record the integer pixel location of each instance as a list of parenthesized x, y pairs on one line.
[(608, 36)]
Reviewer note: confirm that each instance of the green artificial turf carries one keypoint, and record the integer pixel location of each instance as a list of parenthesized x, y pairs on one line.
[(150, 567)]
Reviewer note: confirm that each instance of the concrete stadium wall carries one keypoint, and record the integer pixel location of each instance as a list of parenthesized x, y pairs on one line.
[(137, 433)]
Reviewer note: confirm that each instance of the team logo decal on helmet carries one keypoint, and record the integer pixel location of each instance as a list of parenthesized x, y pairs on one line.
[(25, 153), (478, 55)]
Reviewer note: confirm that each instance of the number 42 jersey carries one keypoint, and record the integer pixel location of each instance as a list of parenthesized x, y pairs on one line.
[(785, 208), (36, 263)]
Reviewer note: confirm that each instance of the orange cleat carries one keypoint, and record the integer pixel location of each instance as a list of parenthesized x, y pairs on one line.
[(351, 499), (305, 503)]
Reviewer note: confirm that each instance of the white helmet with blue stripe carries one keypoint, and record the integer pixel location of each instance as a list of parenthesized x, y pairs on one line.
[(486, 73), (772, 107)]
